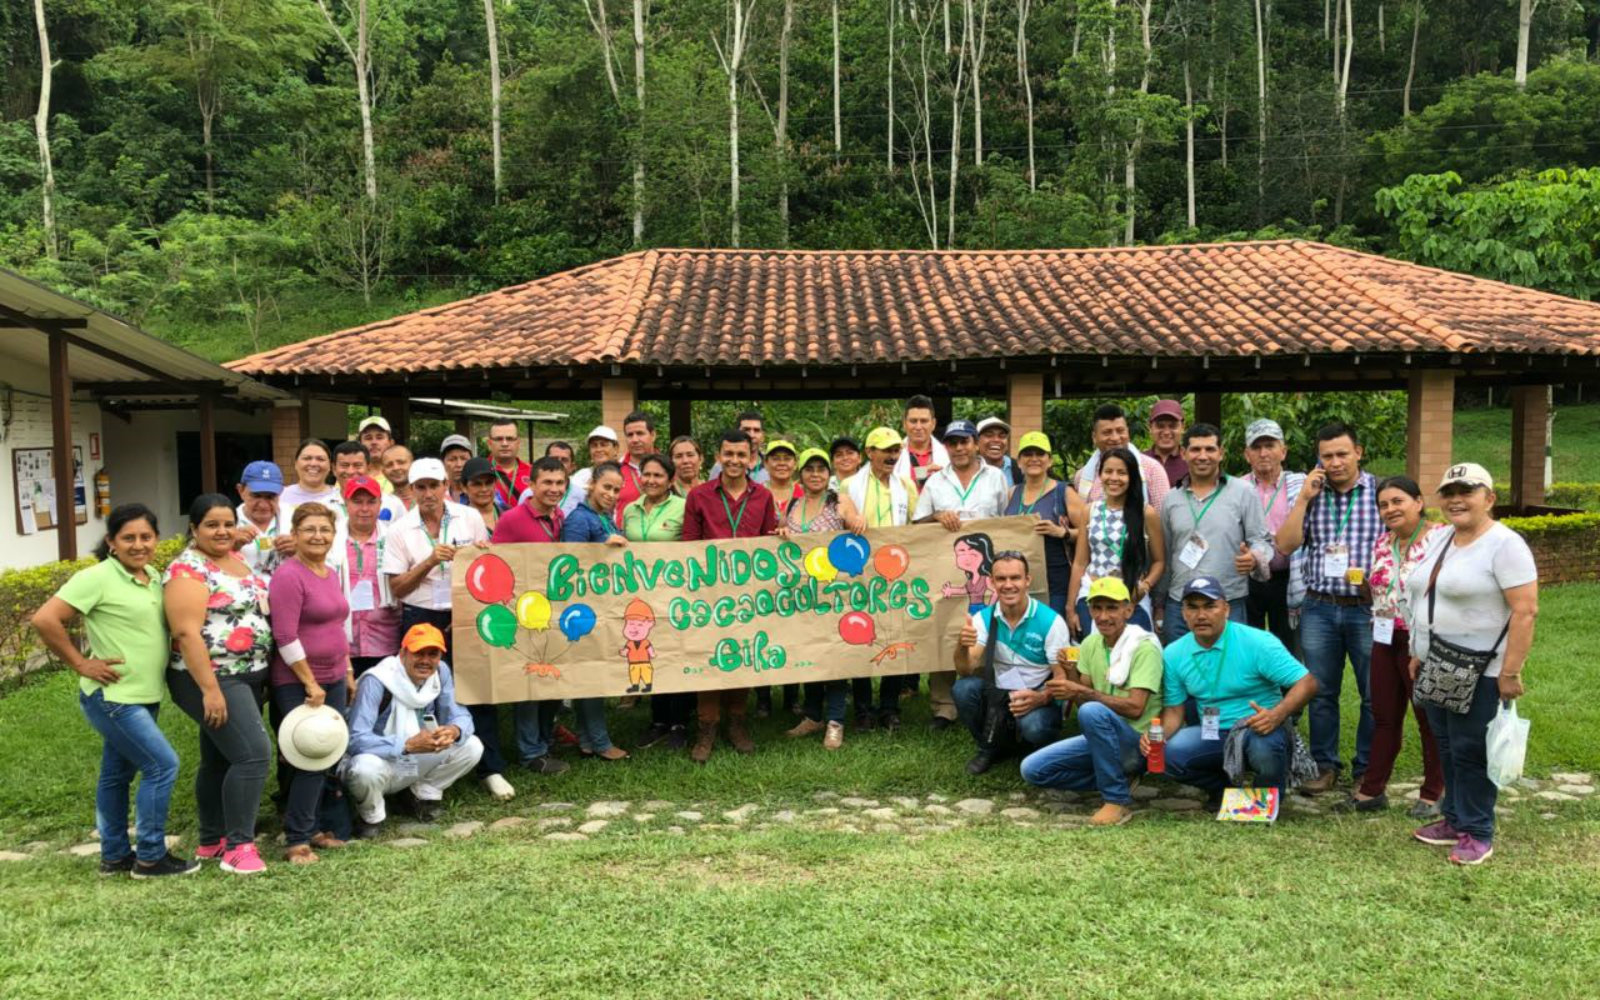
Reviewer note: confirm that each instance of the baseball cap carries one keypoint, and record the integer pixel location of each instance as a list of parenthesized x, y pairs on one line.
[(781, 445), (423, 636), (603, 432), (1262, 428), (811, 454), (455, 441), (958, 429), (356, 484), (1038, 440), (373, 421), (1467, 474), (884, 438), (1109, 587), (1206, 586), (843, 442), (1167, 408), (475, 468), (988, 422), (427, 468), (262, 477)]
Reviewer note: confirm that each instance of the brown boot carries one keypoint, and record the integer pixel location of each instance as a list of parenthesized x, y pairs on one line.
[(704, 740), (739, 735)]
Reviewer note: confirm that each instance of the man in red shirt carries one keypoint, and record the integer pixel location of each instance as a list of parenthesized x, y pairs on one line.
[(924, 454), (729, 506), (510, 472), (538, 518), (639, 432)]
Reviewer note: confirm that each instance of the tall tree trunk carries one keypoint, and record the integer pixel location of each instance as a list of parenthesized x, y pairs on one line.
[(1131, 160), (838, 120), (41, 128), (975, 38), (1024, 8), (1525, 11), (1342, 70), (360, 59), (1411, 67), (732, 58), (956, 94), (493, 35), (1382, 44), (888, 125), (208, 99), (782, 125), (1188, 146), (638, 132), (1261, 109)]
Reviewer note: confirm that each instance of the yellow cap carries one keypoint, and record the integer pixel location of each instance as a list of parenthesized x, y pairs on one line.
[(810, 454), (1109, 587), (1034, 439), (883, 438), (780, 445)]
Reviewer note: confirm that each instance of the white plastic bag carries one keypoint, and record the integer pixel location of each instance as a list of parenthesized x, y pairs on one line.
[(1507, 745)]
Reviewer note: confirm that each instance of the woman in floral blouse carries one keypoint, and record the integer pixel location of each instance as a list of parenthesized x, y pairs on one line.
[(816, 508), (216, 609), (1396, 553)]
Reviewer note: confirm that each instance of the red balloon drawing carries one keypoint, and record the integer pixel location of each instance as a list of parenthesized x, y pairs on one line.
[(890, 561), (857, 628), (490, 580)]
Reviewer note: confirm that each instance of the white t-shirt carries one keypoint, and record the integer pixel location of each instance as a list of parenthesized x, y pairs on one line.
[(407, 545), (985, 496), (1469, 602), (391, 508)]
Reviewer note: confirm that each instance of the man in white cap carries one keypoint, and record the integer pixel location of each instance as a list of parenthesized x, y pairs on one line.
[(454, 451), (1270, 600), (603, 442), (407, 732), (375, 435), (994, 447), (419, 547)]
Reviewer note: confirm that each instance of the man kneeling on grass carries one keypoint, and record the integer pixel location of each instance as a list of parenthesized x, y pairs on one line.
[(406, 731), (1244, 686), (1115, 683), (1000, 694)]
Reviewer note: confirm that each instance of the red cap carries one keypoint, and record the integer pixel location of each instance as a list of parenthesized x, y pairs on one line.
[(357, 483), (1167, 408)]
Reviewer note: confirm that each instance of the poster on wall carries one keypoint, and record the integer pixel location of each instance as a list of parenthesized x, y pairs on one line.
[(537, 622), (35, 484)]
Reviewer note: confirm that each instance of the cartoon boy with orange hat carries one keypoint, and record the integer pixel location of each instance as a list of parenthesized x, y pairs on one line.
[(637, 621)]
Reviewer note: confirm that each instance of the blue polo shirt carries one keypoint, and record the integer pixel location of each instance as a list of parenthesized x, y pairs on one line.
[(1024, 655), (1245, 664)]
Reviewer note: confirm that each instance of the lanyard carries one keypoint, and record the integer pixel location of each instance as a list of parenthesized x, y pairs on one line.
[(964, 493), (1399, 559), (444, 530), (650, 522), (1349, 508), (885, 497), (1276, 492), (1189, 496), (358, 549), (734, 522), (1027, 508)]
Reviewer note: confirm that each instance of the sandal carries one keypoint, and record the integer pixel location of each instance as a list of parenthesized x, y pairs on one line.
[(301, 854), (326, 841), (615, 753)]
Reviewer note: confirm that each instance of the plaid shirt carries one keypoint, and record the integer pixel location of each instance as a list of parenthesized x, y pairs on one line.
[(1360, 533)]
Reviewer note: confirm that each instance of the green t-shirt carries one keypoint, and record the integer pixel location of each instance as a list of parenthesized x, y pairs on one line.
[(1144, 674), (125, 621)]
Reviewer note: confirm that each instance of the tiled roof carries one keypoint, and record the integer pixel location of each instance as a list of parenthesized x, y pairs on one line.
[(764, 307)]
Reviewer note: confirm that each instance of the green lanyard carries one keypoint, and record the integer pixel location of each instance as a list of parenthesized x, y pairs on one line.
[(444, 530), (1189, 496), (1277, 492), (884, 496), (1349, 508), (1399, 560), (1023, 508), (805, 518), (734, 522), (964, 493), (359, 548), (649, 522)]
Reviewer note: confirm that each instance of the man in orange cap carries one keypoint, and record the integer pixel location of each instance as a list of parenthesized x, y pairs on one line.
[(407, 732), (637, 621)]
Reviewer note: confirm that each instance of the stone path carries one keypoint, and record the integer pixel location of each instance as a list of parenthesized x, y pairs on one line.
[(901, 815)]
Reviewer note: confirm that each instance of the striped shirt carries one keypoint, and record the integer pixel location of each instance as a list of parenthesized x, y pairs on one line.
[(1349, 519)]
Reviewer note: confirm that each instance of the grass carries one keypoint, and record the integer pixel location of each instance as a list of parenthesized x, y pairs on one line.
[(1484, 436), (1169, 905)]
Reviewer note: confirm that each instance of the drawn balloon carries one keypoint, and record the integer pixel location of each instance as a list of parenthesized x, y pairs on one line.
[(891, 561), (497, 626), (849, 553), (576, 621), (820, 566), (490, 580), (533, 611), (857, 628)]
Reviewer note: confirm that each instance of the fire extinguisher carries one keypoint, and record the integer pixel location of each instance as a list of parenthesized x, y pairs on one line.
[(102, 493)]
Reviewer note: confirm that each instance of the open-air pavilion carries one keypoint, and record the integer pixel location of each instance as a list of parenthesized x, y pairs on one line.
[(1023, 326)]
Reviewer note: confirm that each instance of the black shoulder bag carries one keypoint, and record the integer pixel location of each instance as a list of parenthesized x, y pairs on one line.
[(998, 730), (1448, 677)]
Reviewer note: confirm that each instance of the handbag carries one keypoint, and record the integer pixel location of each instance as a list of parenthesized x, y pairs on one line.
[(998, 727), (1448, 677)]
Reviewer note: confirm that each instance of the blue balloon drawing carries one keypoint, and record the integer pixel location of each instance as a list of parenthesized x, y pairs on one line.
[(576, 621), (849, 554)]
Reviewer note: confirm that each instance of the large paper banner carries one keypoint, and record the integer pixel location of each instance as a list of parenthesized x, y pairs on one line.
[(573, 621)]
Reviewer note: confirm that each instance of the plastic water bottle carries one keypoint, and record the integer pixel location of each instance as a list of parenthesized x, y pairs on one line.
[(1156, 762)]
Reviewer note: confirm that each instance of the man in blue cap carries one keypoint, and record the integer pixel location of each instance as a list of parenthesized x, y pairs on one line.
[(1237, 678), (257, 531)]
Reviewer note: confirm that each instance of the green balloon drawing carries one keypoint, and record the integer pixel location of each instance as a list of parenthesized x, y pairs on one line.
[(497, 626)]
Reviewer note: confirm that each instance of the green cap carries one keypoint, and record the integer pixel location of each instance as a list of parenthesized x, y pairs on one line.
[(1034, 439), (817, 454), (780, 445)]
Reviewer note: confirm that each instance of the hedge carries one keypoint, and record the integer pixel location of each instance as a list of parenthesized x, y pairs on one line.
[(1584, 496), (1552, 525)]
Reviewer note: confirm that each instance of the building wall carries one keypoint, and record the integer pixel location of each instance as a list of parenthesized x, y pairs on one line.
[(25, 423)]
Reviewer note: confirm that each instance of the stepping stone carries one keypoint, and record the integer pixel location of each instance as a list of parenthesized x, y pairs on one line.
[(1190, 792), (408, 842), (828, 811), (1571, 778), (1176, 805), (508, 822), (1547, 815), (940, 828), (1557, 796), (1058, 808), (976, 807), (882, 813), (565, 838), (643, 817), (553, 822), (852, 802), (824, 796), (935, 809), (1531, 784), (657, 805), (607, 810), (461, 831), (886, 828), (1018, 796), (936, 797), (593, 826), (1019, 812), (1058, 795), (676, 831), (1145, 793), (413, 829), (1576, 789), (1510, 792), (784, 816), (740, 814), (35, 846), (690, 816), (18, 856), (551, 807), (903, 802), (848, 828), (89, 850)]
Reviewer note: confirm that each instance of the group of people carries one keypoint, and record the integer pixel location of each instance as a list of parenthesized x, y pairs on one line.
[(1185, 606)]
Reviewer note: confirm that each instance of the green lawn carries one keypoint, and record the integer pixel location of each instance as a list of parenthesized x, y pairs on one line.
[(1170, 905), (1484, 436)]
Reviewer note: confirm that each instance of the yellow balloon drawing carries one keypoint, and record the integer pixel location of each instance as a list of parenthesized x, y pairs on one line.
[(533, 611), (819, 565)]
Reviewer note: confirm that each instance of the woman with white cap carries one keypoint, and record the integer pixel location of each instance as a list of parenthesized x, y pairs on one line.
[(1472, 602), (603, 447)]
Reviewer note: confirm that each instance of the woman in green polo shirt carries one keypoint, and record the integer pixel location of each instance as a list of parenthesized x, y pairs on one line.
[(119, 688), (657, 516)]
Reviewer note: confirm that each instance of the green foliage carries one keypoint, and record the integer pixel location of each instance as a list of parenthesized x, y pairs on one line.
[(1556, 525), (1584, 496)]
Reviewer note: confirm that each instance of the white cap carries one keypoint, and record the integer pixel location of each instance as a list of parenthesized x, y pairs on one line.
[(1467, 474), (427, 468), (455, 441), (988, 422), (374, 421), (603, 432)]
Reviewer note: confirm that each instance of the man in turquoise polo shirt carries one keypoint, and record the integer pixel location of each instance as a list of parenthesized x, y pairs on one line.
[(1029, 638), (1236, 676), (1116, 684)]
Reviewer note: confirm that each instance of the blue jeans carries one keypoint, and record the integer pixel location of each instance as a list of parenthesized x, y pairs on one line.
[(1174, 627), (593, 737), (1469, 795), (1103, 757), (832, 692), (1040, 727), (1196, 761), (1140, 617), (536, 728), (134, 744), (1328, 634)]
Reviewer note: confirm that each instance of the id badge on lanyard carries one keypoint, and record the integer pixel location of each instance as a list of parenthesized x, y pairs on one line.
[(1211, 723), (1383, 631), (1193, 551)]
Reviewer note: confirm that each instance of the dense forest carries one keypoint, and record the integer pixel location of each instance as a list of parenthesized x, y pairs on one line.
[(236, 173)]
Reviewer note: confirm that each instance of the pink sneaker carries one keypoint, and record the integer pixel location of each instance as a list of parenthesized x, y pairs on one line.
[(243, 860), (1440, 834), (1470, 850), (211, 852)]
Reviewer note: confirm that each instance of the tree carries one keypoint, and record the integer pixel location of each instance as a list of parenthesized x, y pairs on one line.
[(731, 54), (1525, 11), (1025, 81), (492, 34), (360, 54), (41, 128)]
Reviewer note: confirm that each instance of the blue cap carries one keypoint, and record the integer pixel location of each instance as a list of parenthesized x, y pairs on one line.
[(959, 429), (262, 477), (1206, 586)]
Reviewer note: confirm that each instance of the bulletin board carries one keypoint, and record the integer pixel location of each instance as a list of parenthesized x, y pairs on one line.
[(34, 481)]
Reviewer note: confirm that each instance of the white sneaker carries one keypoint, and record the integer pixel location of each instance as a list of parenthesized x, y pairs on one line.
[(499, 787)]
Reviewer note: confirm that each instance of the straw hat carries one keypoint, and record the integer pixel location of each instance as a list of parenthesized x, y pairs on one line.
[(313, 739)]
